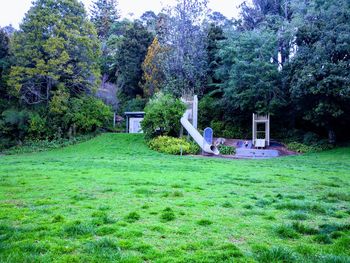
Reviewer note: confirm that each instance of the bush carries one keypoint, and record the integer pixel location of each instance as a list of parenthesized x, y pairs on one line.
[(137, 104), (88, 114), (14, 126), (162, 116), (172, 145), (227, 150), (302, 148), (37, 126)]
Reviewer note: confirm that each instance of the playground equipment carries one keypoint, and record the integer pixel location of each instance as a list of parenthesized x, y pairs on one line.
[(261, 138), (192, 114)]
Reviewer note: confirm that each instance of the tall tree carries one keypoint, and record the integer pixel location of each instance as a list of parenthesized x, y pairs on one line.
[(104, 14), (4, 64), (215, 36), (185, 64), (131, 53), (273, 15), (149, 20), (319, 73), (56, 46), (153, 75), (251, 81)]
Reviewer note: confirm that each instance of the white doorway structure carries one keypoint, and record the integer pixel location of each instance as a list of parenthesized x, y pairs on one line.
[(133, 121), (261, 130)]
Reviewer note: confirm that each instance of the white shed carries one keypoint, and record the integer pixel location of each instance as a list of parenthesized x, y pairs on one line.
[(133, 121)]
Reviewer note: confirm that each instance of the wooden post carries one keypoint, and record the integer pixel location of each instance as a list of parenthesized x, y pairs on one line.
[(114, 119)]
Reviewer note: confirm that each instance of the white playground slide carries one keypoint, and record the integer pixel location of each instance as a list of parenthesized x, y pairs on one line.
[(208, 148)]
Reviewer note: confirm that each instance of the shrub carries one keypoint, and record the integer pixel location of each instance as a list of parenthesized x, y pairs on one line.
[(227, 150), (37, 126), (162, 116), (210, 109), (172, 145), (137, 104), (303, 148), (88, 113), (14, 125)]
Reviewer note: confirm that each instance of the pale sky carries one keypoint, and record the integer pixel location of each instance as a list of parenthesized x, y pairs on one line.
[(12, 11)]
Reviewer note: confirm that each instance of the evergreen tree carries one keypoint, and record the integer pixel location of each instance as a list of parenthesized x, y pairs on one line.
[(129, 56), (215, 36), (56, 46), (104, 14)]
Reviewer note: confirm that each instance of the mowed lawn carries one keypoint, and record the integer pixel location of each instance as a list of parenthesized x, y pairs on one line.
[(111, 199)]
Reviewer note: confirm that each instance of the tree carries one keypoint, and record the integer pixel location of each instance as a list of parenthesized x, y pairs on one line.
[(128, 60), (4, 54), (162, 115), (149, 20), (219, 20), (104, 14), (272, 15), (56, 45), (251, 81), (153, 76), (5, 65), (215, 36), (185, 64), (319, 74)]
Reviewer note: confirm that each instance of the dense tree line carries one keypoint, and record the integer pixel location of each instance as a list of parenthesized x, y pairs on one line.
[(286, 58)]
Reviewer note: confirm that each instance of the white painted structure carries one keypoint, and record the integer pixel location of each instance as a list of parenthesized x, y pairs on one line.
[(192, 114), (261, 138), (133, 122)]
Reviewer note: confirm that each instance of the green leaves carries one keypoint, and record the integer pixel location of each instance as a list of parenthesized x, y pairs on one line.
[(56, 44)]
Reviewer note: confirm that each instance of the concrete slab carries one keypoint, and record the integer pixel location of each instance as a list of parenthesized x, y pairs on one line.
[(256, 153)]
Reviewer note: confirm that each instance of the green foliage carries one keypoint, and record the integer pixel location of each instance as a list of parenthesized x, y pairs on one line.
[(14, 125), (128, 60), (104, 14), (136, 104), (37, 126), (303, 148), (88, 114), (251, 82), (185, 62), (319, 73), (227, 150), (210, 111), (171, 145), (46, 54), (162, 116)]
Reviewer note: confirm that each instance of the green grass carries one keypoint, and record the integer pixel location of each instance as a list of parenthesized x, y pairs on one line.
[(111, 199)]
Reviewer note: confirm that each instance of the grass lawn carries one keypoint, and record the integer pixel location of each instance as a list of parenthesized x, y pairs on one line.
[(111, 199)]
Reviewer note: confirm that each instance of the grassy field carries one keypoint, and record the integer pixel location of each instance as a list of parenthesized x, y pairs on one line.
[(111, 199)]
